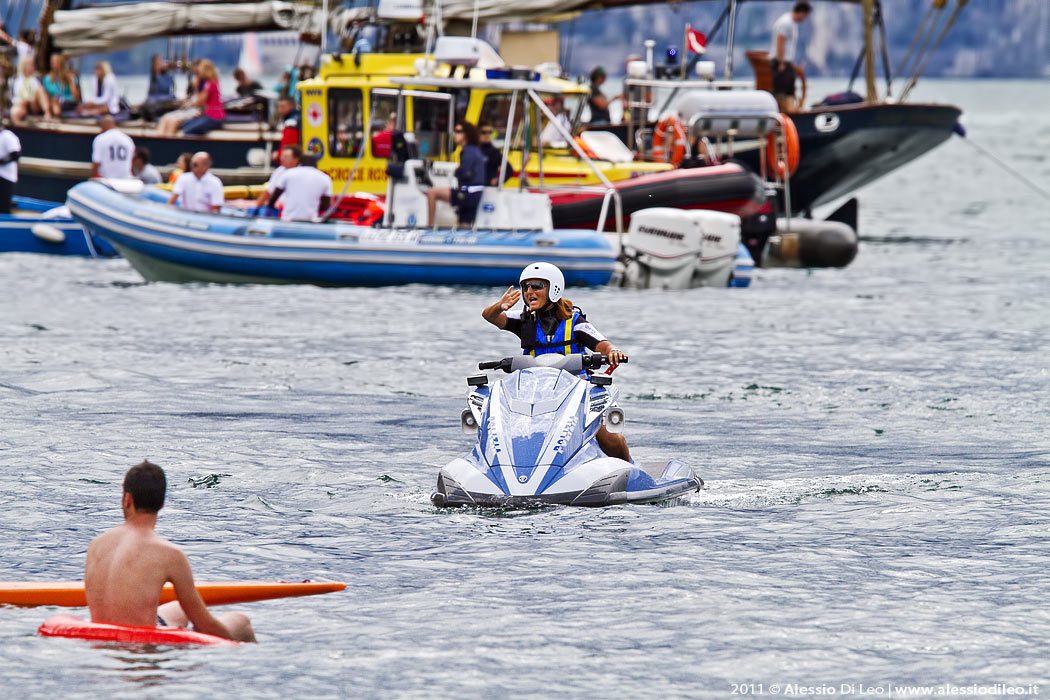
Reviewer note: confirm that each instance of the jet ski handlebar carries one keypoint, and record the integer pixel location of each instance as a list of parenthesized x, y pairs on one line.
[(571, 363)]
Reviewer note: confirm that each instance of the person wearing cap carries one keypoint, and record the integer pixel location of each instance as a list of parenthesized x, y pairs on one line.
[(599, 103), (549, 324)]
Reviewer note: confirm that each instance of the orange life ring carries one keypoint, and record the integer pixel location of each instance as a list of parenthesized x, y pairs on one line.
[(773, 160), (673, 125)]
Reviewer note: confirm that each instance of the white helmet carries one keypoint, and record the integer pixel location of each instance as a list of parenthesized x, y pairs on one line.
[(550, 274)]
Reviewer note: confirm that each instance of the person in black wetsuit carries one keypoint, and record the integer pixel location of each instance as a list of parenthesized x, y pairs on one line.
[(548, 324), (470, 176)]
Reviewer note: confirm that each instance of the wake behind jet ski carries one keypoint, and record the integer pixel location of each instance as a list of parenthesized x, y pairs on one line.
[(536, 441)]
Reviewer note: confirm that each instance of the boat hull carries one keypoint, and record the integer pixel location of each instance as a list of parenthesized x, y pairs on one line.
[(729, 188), (168, 244), (22, 232), (845, 147)]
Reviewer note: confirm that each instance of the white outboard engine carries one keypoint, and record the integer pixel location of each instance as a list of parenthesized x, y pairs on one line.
[(679, 249)]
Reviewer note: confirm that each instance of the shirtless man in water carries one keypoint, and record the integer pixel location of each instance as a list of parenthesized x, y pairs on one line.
[(127, 566)]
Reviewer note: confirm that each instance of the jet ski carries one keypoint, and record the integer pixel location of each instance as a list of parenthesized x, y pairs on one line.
[(536, 441)]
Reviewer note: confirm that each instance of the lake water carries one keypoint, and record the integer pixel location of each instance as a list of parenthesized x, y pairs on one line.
[(874, 443)]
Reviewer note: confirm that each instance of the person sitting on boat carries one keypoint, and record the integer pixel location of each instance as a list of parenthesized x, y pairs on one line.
[(143, 169), (599, 103), (62, 86), (289, 158), (169, 123), (112, 151), (208, 99), (381, 141), (126, 568), (182, 165), (245, 86), (29, 96), (493, 156), (551, 135), (470, 176), (160, 96), (199, 189), (10, 152), (782, 53), (550, 323), (307, 191), (24, 45), (105, 97)]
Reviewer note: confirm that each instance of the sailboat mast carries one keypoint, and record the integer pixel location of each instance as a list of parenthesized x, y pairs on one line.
[(730, 39), (869, 49)]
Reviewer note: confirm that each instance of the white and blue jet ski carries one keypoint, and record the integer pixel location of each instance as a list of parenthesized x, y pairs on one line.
[(536, 441)]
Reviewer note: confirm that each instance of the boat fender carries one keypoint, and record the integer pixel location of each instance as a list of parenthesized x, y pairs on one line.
[(780, 166), (48, 233), (615, 419), (670, 127)]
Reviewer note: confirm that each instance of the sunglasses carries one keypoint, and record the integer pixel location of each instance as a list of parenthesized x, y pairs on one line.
[(533, 286), (457, 131), (486, 132)]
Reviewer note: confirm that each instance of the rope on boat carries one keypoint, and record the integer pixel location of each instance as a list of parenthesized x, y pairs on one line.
[(960, 4), (1020, 176)]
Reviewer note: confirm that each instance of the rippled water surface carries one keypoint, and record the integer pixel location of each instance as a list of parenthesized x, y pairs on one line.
[(874, 441)]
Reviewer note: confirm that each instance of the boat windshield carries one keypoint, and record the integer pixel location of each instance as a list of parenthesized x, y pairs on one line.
[(496, 108)]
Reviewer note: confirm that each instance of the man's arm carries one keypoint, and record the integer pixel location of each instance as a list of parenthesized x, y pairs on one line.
[(172, 198), (181, 577), (781, 42), (94, 169)]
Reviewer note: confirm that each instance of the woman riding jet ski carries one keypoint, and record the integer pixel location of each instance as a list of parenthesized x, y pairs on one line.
[(550, 324), (550, 433)]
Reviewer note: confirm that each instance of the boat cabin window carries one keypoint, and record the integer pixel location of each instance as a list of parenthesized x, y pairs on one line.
[(383, 107), (400, 37), (431, 125), (346, 124), (496, 108)]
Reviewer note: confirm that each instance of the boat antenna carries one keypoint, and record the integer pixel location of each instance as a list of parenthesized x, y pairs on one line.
[(729, 40), (474, 27), (324, 26)]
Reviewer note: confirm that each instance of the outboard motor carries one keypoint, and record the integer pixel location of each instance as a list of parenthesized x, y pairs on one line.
[(679, 249)]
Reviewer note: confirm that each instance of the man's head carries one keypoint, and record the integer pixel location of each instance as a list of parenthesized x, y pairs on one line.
[(145, 485), (140, 159), (485, 131), (199, 163), (239, 75), (107, 122), (291, 156), (801, 11), (285, 106)]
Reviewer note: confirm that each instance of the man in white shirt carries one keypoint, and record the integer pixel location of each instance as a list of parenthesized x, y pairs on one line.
[(289, 158), (10, 152), (307, 191), (111, 151), (198, 190), (782, 53)]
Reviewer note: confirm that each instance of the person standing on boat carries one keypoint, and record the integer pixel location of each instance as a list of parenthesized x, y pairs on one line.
[(550, 323), (306, 190), (288, 121), (112, 151), (599, 103), (105, 98), (126, 568), (199, 189), (782, 54), (470, 177), (10, 152)]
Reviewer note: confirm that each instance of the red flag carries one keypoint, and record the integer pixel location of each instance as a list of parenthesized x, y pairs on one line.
[(696, 40)]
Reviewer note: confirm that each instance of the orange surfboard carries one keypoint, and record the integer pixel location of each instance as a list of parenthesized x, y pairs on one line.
[(70, 594)]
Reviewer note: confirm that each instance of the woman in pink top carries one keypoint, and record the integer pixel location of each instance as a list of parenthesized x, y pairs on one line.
[(209, 100)]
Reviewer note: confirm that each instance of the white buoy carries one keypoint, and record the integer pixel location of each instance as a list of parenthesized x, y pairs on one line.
[(49, 233)]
